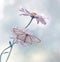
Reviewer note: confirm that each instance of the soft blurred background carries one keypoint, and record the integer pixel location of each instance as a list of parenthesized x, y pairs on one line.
[(49, 48)]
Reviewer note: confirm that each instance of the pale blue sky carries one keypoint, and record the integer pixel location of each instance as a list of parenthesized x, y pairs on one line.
[(49, 48)]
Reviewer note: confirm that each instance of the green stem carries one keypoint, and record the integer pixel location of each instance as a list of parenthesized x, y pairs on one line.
[(9, 54), (29, 22), (5, 50)]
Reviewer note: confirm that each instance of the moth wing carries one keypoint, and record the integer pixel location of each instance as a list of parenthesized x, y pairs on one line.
[(20, 37), (18, 31), (28, 40), (35, 39)]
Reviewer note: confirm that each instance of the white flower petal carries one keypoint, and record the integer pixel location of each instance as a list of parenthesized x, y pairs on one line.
[(41, 19), (25, 14)]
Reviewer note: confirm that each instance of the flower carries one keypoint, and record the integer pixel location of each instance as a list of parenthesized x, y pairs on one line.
[(39, 18), (24, 36)]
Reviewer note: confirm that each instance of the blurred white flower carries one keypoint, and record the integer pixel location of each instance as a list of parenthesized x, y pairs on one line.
[(39, 18), (24, 37)]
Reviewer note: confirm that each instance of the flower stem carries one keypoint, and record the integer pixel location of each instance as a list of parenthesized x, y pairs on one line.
[(5, 50), (29, 22), (9, 54)]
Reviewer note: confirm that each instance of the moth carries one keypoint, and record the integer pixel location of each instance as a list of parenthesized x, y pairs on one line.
[(24, 36)]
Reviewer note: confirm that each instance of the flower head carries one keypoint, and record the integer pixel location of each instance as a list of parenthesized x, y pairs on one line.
[(39, 18), (24, 36)]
